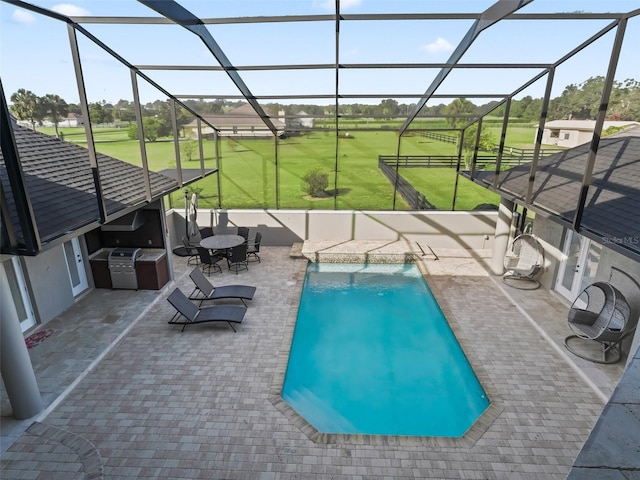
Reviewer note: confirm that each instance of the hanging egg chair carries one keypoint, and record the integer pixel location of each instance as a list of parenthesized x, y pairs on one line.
[(522, 262), (600, 314)]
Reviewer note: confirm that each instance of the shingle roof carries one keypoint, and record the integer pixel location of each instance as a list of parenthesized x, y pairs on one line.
[(59, 182), (244, 115), (612, 208)]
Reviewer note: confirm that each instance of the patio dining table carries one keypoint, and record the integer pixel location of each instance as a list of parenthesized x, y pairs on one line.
[(221, 242)]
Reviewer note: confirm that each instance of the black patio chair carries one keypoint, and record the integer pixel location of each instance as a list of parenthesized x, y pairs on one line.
[(244, 232), (191, 251), (254, 247), (209, 260), (237, 259), (206, 232)]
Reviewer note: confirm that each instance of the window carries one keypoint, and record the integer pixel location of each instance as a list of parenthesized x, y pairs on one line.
[(566, 136), (554, 134)]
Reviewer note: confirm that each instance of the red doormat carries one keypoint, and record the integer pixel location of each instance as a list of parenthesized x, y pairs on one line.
[(37, 338)]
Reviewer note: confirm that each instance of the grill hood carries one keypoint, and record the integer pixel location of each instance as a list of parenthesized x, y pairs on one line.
[(127, 223)]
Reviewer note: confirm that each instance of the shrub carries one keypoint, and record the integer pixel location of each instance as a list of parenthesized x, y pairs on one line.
[(315, 182)]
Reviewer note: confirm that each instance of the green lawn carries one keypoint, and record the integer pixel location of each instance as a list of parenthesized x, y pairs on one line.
[(248, 169)]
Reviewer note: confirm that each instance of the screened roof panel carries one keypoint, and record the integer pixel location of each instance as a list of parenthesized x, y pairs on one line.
[(235, 8), (257, 35), (290, 82), (276, 43), (396, 41), (396, 81), (524, 41), (155, 44), (195, 83)]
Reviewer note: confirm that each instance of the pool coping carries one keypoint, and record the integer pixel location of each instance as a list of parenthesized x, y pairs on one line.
[(471, 436)]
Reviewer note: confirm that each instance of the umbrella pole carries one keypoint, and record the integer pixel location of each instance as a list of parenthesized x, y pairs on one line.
[(186, 213)]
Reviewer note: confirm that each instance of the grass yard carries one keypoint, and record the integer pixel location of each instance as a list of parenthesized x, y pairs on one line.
[(437, 185), (248, 169)]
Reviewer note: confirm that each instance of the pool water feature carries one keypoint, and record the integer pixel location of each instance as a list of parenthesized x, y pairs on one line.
[(373, 354)]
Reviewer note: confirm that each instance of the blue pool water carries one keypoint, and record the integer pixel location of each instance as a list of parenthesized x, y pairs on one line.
[(373, 354)]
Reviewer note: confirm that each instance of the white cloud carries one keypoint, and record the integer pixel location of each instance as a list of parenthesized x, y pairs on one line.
[(440, 45), (70, 10), (346, 4), (331, 4), (22, 16)]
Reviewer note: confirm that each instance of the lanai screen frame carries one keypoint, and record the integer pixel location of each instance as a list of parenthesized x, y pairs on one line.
[(174, 13)]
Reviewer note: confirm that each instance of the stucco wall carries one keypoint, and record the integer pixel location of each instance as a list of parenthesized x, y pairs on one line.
[(49, 284), (612, 267), (550, 234), (285, 227)]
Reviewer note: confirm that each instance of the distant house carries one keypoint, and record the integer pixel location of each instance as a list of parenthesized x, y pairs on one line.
[(296, 122), (71, 120), (571, 133), (242, 122)]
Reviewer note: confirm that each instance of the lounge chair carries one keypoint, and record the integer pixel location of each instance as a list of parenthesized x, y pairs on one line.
[(204, 290), (188, 313)]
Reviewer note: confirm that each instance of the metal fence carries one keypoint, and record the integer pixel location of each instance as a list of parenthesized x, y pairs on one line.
[(413, 197)]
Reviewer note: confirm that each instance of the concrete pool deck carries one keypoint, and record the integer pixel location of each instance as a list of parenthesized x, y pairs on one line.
[(154, 402)]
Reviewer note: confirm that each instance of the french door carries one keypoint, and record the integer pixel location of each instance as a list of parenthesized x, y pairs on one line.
[(579, 264), (75, 265)]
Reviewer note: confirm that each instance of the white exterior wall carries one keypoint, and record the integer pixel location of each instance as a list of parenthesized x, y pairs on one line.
[(468, 230), (576, 137), (49, 285), (551, 235)]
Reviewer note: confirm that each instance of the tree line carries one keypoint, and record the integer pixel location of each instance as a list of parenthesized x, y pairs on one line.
[(577, 101)]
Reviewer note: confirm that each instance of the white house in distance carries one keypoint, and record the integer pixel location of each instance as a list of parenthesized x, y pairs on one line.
[(238, 123), (571, 133), (71, 120)]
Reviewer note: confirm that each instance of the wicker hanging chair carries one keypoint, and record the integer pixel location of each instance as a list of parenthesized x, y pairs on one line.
[(600, 313), (522, 262)]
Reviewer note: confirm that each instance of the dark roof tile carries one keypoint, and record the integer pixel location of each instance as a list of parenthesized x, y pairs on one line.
[(612, 207), (59, 180)]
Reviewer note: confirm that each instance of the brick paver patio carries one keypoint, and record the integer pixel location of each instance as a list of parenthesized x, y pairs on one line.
[(167, 404)]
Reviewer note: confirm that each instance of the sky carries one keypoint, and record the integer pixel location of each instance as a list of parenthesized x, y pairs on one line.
[(35, 52)]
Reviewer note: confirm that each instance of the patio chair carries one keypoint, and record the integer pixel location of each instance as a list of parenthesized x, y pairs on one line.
[(600, 313), (188, 313), (237, 258), (204, 290), (191, 251), (206, 232), (209, 260), (254, 247), (244, 232), (523, 261)]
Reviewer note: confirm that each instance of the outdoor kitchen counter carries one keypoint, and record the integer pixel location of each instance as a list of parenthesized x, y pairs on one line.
[(152, 269), (151, 266), (151, 254)]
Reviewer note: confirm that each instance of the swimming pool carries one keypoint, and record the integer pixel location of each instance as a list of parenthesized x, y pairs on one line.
[(372, 353)]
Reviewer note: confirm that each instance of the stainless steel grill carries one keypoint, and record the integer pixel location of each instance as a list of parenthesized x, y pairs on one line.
[(122, 267)]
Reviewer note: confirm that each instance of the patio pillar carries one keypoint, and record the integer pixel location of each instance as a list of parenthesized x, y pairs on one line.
[(15, 363), (502, 235)]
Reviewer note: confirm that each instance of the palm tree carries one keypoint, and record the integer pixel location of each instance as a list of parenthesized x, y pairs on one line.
[(25, 106), (55, 108)]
